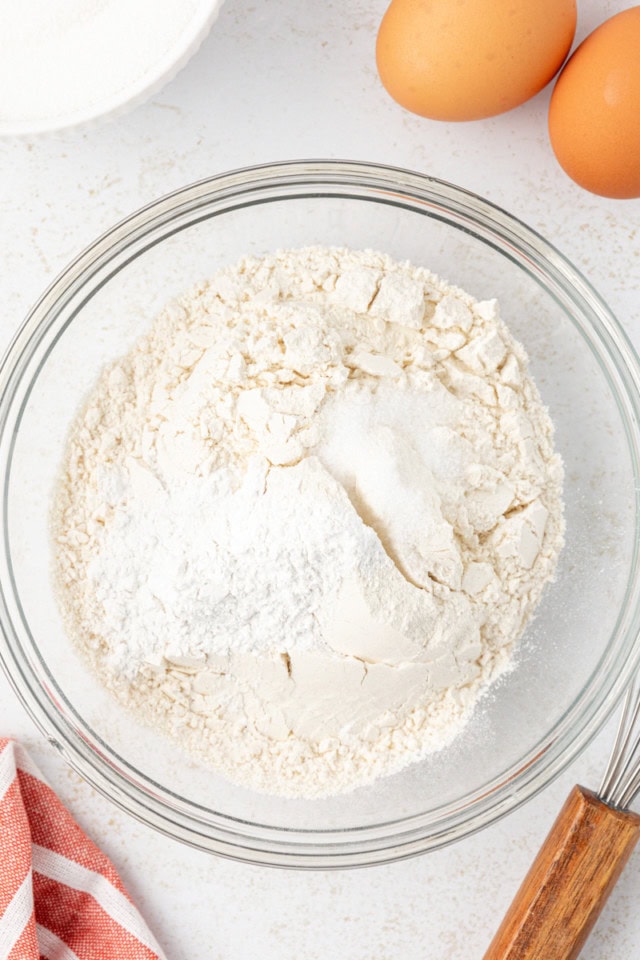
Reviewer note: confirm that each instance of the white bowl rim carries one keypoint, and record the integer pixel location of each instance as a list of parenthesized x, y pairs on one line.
[(127, 99)]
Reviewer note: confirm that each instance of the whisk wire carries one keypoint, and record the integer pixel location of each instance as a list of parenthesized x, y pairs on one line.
[(615, 757), (621, 782), (632, 792), (624, 781)]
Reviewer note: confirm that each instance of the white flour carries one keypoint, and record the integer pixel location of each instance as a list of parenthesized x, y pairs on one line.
[(303, 522)]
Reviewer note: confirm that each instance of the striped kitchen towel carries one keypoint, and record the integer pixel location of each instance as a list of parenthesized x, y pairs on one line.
[(60, 896)]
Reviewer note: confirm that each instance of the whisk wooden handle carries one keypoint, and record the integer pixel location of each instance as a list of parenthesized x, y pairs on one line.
[(569, 882)]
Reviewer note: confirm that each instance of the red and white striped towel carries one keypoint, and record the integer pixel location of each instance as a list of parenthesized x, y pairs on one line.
[(60, 896)]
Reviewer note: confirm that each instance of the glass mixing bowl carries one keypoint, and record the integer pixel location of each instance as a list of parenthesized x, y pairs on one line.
[(576, 655)]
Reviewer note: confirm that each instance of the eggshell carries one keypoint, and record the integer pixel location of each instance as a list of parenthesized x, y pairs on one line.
[(594, 114), (467, 59)]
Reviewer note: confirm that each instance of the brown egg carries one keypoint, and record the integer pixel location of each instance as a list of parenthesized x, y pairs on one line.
[(594, 114), (467, 59)]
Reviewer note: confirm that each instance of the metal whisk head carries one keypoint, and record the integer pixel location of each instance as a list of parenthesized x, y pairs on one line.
[(621, 783)]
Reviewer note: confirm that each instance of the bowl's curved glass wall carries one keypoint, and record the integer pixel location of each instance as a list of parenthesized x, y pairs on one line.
[(573, 658)]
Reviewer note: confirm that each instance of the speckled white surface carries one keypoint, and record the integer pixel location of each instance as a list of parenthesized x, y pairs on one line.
[(281, 79)]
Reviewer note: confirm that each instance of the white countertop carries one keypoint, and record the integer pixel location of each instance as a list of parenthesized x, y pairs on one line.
[(289, 79)]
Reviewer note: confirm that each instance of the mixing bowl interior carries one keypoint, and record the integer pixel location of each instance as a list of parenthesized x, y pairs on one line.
[(571, 661)]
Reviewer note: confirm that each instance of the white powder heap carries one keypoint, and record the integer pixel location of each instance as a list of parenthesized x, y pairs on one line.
[(61, 62), (303, 522)]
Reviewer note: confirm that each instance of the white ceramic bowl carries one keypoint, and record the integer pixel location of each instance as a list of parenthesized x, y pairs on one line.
[(86, 69)]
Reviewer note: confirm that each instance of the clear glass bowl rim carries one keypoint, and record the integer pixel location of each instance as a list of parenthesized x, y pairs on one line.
[(152, 803)]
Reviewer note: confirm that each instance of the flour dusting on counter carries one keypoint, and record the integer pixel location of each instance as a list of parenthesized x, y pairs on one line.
[(303, 522)]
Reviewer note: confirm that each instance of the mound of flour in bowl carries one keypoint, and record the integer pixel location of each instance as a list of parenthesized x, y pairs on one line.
[(303, 522)]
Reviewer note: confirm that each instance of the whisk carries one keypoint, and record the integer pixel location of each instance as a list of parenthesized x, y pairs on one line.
[(575, 871)]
